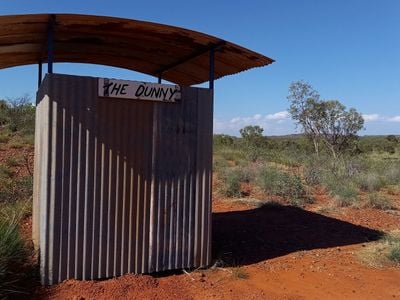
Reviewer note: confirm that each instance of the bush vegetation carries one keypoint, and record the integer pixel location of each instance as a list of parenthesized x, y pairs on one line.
[(289, 168), (385, 252), (16, 132)]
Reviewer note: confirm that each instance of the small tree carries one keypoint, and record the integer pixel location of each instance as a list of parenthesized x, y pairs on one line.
[(254, 140), (305, 109), (21, 114), (339, 127), (252, 134), (326, 121)]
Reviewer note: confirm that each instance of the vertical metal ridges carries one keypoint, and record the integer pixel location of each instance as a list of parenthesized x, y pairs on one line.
[(120, 185)]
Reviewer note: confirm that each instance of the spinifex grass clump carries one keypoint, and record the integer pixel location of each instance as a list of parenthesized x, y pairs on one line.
[(378, 201), (345, 194), (231, 178), (12, 256), (385, 252), (280, 183), (394, 254), (393, 242)]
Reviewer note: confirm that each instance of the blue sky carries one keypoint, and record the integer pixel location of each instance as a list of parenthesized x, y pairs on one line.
[(348, 50)]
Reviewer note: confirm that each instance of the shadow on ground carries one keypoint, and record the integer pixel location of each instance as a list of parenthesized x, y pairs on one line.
[(251, 236)]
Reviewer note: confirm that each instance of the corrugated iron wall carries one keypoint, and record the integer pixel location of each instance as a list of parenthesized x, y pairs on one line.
[(120, 185)]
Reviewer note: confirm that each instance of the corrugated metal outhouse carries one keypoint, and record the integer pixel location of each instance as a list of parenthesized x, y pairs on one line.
[(121, 185), (122, 179)]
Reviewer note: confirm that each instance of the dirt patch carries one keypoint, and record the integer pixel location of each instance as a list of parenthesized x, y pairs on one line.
[(125, 287), (284, 252)]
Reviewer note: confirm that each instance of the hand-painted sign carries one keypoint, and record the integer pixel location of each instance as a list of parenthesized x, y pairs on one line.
[(138, 90)]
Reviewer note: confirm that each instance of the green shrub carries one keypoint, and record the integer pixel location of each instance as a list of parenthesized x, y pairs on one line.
[(24, 186), (5, 172), (394, 254), (4, 139), (281, 183), (370, 182), (22, 115), (13, 255), (7, 190), (312, 175), (12, 190), (383, 253), (232, 155), (345, 194), (16, 144), (314, 170), (248, 173), (253, 153), (219, 164), (231, 179), (378, 201), (12, 162), (393, 189), (392, 173)]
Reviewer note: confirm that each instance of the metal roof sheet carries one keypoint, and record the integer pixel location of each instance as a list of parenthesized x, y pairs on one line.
[(181, 55)]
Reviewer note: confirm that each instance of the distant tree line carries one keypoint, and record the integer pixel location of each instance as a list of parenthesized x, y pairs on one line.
[(326, 126)]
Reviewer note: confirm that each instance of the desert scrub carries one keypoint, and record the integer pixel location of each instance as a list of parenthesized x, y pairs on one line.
[(4, 139), (240, 273), (392, 174), (393, 189), (6, 172), (394, 253), (370, 182), (385, 252), (280, 183), (219, 163), (14, 189), (13, 162), (378, 201), (13, 251), (231, 179), (345, 194), (234, 156)]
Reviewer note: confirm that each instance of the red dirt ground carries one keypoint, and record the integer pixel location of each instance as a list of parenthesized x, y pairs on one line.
[(283, 253)]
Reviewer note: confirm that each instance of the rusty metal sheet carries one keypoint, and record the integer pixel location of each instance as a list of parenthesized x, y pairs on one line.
[(120, 186), (180, 54)]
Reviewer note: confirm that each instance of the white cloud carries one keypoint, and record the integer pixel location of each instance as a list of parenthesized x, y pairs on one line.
[(257, 117), (394, 119), (282, 115), (371, 117), (377, 117), (273, 124), (236, 120), (279, 123)]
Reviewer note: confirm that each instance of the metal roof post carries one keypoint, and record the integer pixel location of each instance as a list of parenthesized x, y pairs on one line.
[(211, 77), (39, 73), (50, 44)]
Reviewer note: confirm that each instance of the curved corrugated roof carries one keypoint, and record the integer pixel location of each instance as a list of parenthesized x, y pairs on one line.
[(181, 55)]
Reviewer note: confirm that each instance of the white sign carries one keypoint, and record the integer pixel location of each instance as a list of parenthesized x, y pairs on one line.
[(138, 90)]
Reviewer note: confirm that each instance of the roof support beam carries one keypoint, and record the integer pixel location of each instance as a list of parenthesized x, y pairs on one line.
[(39, 73), (50, 44), (196, 54), (212, 74)]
